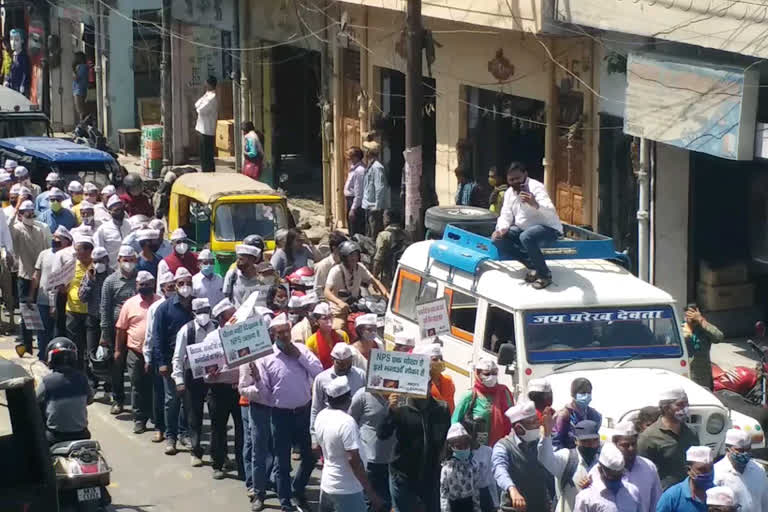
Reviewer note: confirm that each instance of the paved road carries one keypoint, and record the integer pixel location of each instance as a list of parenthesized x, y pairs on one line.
[(146, 480)]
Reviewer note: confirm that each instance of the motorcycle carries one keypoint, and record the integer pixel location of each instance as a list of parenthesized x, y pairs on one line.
[(82, 476), (87, 134), (301, 281), (375, 304)]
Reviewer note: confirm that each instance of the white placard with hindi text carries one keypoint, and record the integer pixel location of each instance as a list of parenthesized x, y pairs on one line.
[(31, 316), (398, 372), (432, 317), (204, 358), (245, 341)]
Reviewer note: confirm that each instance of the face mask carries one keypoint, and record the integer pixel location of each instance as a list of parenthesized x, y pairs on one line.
[(740, 459), (207, 270), (530, 436), (55, 207), (294, 319), (612, 485), (462, 454), (202, 319), (169, 294), (181, 248), (185, 291), (267, 280), (128, 266), (368, 336), (28, 221), (583, 399), (682, 414), (588, 453), (489, 381), (280, 345), (146, 291), (88, 221), (704, 481), (76, 198), (118, 216), (100, 267), (55, 245)]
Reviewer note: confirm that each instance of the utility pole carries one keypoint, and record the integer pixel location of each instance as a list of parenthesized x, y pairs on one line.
[(236, 105), (414, 106), (166, 105)]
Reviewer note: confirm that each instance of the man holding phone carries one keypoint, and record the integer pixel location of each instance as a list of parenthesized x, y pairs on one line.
[(527, 221), (699, 336)]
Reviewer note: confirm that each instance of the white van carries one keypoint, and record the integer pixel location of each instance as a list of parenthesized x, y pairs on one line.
[(596, 320)]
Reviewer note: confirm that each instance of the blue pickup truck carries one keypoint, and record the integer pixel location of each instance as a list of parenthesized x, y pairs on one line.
[(42, 155)]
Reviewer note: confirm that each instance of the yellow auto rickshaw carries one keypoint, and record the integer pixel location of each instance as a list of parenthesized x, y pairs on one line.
[(218, 210)]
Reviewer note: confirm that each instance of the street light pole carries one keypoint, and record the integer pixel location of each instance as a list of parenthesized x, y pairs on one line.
[(414, 106)]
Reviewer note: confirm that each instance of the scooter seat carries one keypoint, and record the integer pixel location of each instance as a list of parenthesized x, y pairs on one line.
[(67, 447)]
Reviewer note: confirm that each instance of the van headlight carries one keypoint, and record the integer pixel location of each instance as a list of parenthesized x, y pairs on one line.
[(715, 423)]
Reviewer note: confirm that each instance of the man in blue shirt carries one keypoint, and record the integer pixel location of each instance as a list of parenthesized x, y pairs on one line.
[(690, 495), (52, 180), (56, 215), (171, 316)]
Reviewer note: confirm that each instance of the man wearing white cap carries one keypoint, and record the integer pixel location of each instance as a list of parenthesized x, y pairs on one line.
[(460, 476), (608, 492), (722, 499), (366, 331), (52, 180), (29, 239), (523, 481), (343, 480), (90, 293), (375, 190), (326, 337), (56, 215), (131, 327), (117, 288), (88, 224), (690, 495), (148, 260), (164, 246), (180, 257), (441, 385), (740, 473), (170, 317), (9, 165), (638, 470), (100, 209), (298, 312), (111, 233), (666, 441), (404, 342), (167, 287), (285, 383), (21, 175), (191, 389), (240, 282), (540, 393), (40, 294), (75, 189), (342, 357), (207, 283), (323, 267)]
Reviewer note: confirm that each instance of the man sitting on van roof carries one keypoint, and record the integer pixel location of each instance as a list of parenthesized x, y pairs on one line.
[(528, 220)]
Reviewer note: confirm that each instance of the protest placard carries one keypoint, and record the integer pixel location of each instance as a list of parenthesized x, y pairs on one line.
[(205, 358), (31, 316), (398, 372), (63, 274), (245, 341), (432, 317)]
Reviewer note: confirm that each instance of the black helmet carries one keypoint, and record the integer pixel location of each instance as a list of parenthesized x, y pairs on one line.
[(101, 363), (348, 248), (255, 241), (62, 352), (132, 180)]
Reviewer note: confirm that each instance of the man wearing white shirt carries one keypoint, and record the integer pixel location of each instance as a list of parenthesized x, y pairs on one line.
[(353, 191), (528, 220), (207, 114), (207, 283), (742, 475), (110, 234)]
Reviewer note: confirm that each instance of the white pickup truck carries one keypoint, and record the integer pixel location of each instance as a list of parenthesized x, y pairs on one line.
[(596, 320)]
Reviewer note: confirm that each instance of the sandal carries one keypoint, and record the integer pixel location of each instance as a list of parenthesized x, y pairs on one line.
[(531, 276), (542, 282)]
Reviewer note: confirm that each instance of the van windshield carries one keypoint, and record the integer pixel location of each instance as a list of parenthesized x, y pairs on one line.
[(235, 221), (601, 334)]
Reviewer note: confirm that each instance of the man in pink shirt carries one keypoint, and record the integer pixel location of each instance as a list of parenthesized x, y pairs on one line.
[(131, 328)]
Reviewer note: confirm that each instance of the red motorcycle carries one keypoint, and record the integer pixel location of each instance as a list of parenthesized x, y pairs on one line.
[(301, 281)]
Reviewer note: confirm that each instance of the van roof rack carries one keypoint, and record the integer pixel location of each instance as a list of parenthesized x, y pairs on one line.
[(465, 250)]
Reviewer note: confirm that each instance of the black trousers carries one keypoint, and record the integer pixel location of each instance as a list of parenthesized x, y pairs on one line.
[(207, 147), (61, 315), (118, 379), (77, 332), (141, 387), (194, 399), (358, 224), (222, 401)]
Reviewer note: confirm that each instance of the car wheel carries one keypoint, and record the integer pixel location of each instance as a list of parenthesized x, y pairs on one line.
[(471, 218)]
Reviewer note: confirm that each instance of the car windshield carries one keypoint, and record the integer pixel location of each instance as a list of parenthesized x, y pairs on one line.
[(601, 334), (235, 221), (20, 127)]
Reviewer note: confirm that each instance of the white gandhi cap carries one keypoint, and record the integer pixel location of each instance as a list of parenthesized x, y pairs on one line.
[(539, 386), (611, 457), (520, 412), (456, 431), (337, 387), (702, 454), (341, 351), (721, 496), (738, 438)]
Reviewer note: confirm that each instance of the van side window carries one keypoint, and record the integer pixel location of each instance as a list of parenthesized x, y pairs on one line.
[(411, 289), (462, 313), (499, 328)]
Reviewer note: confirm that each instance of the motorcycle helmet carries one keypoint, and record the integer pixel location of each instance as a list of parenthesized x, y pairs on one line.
[(133, 183), (303, 276), (255, 241), (348, 248), (101, 363), (61, 352)]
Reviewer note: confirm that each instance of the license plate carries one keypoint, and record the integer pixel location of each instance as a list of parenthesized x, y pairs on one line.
[(89, 494)]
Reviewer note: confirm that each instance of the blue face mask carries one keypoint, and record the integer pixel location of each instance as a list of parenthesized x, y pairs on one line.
[(462, 454), (740, 459), (207, 270), (612, 485), (704, 481), (583, 399)]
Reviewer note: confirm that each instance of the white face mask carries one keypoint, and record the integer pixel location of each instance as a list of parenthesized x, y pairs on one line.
[(28, 221), (489, 381), (202, 319), (182, 248), (185, 291), (530, 436), (128, 266), (100, 267)]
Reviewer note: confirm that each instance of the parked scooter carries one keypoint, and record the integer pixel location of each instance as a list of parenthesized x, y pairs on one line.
[(87, 134), (82, 476)]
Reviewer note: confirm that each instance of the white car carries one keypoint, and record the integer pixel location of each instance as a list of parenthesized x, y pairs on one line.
[(596, 320)]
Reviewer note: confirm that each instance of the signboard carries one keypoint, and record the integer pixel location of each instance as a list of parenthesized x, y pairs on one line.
[(205, 358), (398, 372), (31, 316), (579, 317), (245, 341), (693, 105), (432, 317), (62, 275)]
